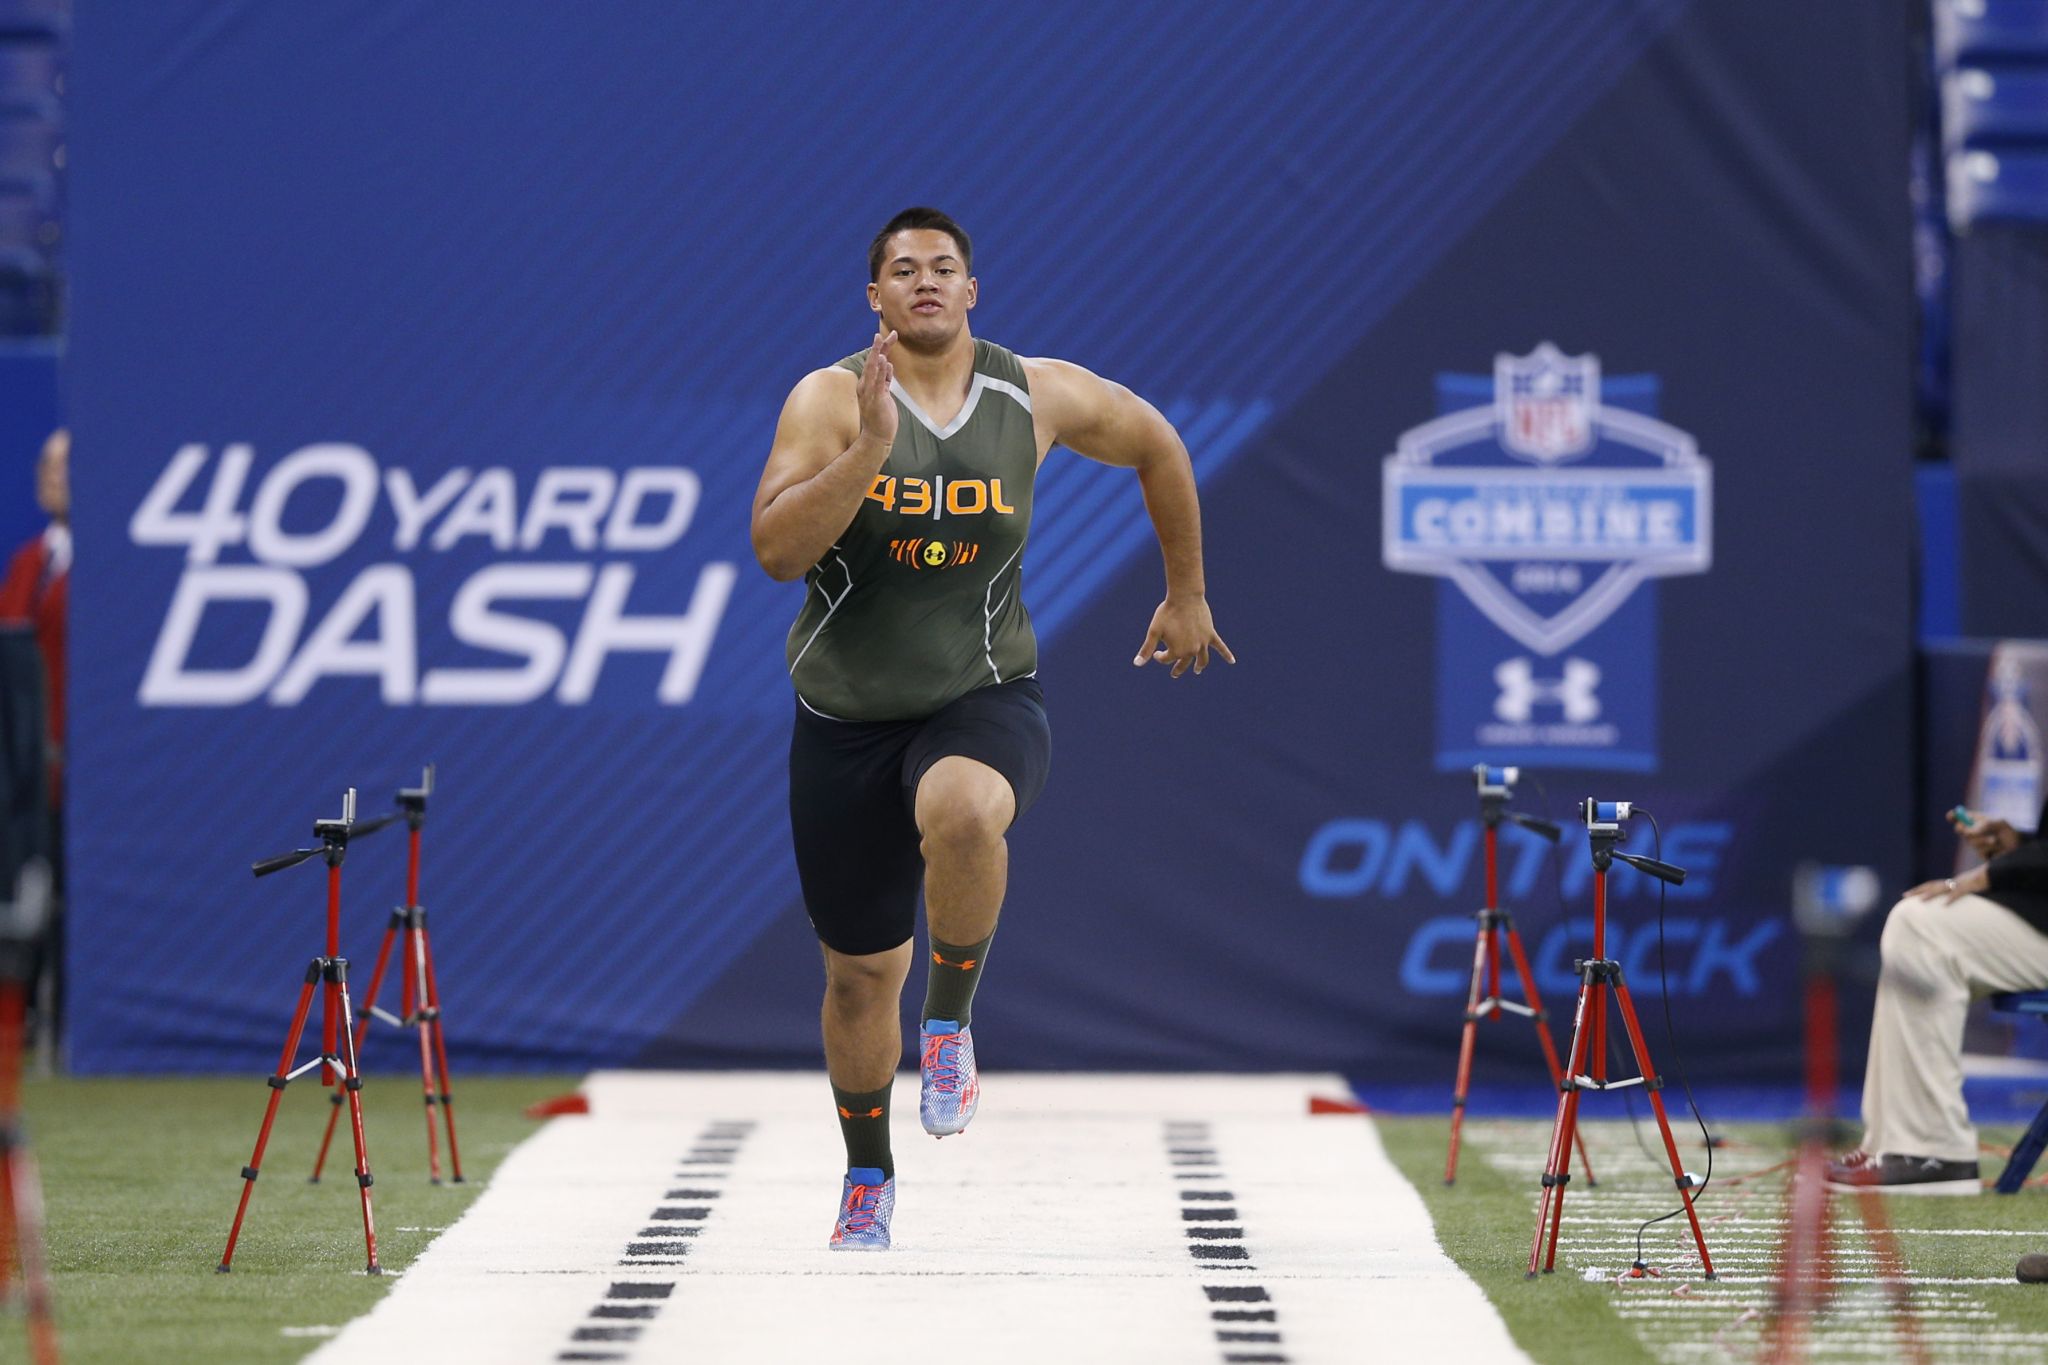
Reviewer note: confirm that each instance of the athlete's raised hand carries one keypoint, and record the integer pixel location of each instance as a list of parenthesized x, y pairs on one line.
[(877, 404), (1181, 634)]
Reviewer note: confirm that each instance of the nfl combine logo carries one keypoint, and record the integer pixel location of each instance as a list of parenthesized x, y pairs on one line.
[(1547, 498), (1546, 401)]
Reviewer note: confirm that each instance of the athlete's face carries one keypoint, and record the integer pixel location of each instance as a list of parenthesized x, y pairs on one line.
[(924, 292)]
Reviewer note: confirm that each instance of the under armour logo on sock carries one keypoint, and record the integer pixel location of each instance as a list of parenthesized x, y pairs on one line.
[(873, 1113), (1521, 691), (966, 966)]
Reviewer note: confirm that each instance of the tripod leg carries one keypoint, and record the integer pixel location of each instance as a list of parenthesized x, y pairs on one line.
[(277, 1084), (1557, 1165), (1542, 1022), (353, 1082), (25, 1193), (1479, 956), (441, 1050), (421, 1020), (1891, 1264), (362, 1030), (1654, 1086)]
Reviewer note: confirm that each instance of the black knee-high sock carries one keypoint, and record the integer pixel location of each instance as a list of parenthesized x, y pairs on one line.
[(950, 979), (864, 1123)]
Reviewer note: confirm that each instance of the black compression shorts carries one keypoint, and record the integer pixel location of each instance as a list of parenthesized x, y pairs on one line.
[(852, 802)]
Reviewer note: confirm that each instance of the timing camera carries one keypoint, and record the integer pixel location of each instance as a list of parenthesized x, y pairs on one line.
[(1496, 782), (1604, 818), (1828, 901)]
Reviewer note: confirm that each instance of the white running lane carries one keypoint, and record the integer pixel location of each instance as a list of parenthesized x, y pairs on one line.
[(1125, 1219)]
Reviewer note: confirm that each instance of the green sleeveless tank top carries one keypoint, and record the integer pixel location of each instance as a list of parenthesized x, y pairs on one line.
[(918, 603)]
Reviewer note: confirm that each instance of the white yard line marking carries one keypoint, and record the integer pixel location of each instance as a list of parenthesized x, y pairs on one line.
[(1683, 1317), (1053, 1230)]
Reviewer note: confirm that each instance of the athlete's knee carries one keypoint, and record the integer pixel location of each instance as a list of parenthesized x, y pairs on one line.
[(861, 981), (962, 804)]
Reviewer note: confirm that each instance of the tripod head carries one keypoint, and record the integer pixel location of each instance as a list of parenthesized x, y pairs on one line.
[(1496, 789), (1604, 829), (413, 800), (334, 836)]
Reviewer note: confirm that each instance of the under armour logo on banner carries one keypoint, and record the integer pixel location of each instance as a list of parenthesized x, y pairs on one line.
[(1521, 691)]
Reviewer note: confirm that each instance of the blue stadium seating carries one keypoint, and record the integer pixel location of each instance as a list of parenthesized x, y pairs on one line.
[(2008, 186), (1967, 32), (1985, 108), (46, 18), (30, 147), (31, 77)]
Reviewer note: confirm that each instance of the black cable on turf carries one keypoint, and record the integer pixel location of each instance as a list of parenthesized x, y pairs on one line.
[(1671, 1036)]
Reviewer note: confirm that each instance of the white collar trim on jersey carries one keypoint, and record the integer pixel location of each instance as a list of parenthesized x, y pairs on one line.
[(981, 381)]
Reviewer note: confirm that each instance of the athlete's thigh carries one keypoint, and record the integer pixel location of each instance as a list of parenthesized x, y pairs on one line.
[(856, 844), (1001, 727)]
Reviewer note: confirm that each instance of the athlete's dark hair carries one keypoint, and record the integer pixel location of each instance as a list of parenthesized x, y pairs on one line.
[(919, 217)]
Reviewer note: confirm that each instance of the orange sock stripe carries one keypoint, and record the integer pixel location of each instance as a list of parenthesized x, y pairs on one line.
[(846, 1113), (966, 966)]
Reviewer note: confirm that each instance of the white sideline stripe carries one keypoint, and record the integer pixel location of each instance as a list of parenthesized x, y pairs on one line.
[(1053, 1230)]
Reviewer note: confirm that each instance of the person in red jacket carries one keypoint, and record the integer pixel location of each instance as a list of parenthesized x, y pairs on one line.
[(38, 587)]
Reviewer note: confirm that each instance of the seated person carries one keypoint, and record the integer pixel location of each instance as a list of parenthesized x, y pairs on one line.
[(1945, 943)]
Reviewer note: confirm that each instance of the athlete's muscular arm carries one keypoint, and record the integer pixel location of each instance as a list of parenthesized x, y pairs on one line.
[(826, 454), (1107, 422)]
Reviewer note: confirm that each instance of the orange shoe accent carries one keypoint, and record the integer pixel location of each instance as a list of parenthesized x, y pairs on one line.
[(873, 1113), (966, 966)]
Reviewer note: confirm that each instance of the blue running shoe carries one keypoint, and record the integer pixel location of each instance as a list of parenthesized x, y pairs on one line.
[(950, 1088), (865, 1203)]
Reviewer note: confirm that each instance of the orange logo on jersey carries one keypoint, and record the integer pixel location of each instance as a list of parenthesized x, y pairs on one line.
[(922, 497), (922, 554)]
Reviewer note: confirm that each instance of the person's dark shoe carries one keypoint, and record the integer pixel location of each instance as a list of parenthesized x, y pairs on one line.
[(1895, 1174), (2032, 1269)]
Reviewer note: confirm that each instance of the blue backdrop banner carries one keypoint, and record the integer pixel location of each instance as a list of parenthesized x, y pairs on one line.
[(1543, 369)]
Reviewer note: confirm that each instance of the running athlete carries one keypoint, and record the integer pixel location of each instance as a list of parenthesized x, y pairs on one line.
[(899, 487)]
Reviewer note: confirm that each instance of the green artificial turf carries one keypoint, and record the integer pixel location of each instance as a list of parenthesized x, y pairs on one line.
[(141, 1178), (1486, 1222)]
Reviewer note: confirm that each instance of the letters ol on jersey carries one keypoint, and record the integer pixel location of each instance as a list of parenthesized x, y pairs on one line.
[(1547, 504)]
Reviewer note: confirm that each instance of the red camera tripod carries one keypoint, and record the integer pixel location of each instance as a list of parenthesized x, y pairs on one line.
[(1496, 786), (420, 996), (337, 1024), (1599, 977)]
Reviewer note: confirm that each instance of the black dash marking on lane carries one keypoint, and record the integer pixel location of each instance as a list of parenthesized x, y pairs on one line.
[(629, 1304), (1215, 1235), (1238, 1293), (1225, 1251)]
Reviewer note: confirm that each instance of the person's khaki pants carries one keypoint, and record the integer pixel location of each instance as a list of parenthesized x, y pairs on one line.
[(1938, 956)]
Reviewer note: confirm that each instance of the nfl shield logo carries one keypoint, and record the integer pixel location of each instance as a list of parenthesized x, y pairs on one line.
[(1547, 403)]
